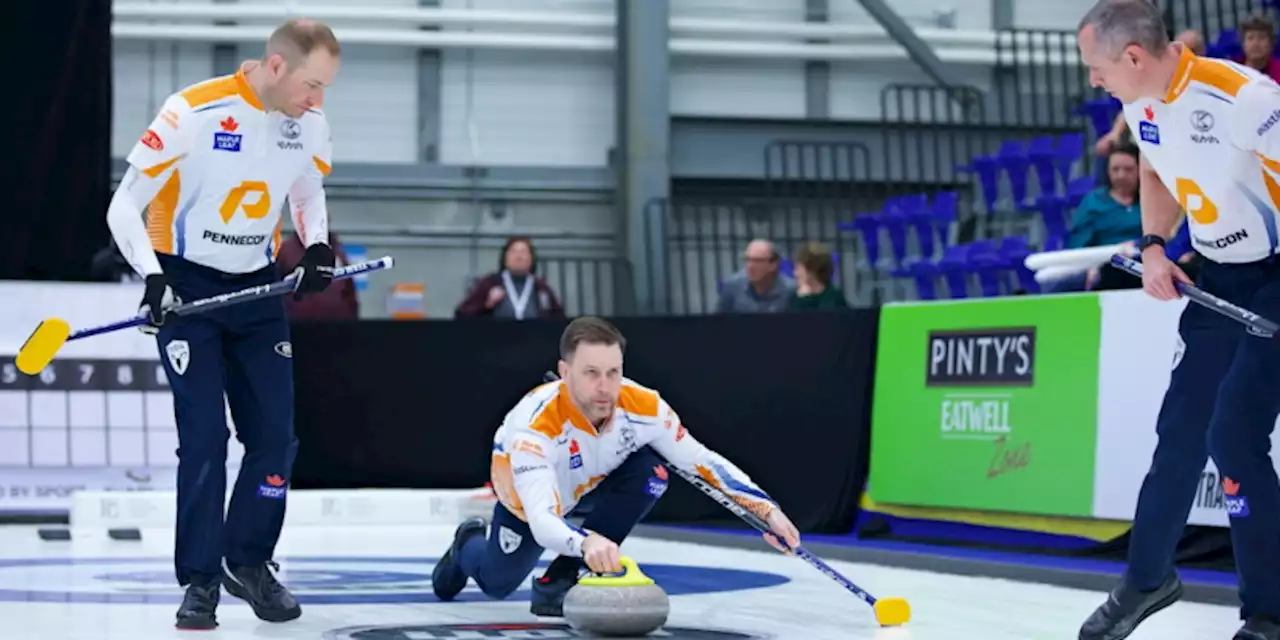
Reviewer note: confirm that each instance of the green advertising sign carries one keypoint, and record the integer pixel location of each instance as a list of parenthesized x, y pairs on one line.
[(987, 404)]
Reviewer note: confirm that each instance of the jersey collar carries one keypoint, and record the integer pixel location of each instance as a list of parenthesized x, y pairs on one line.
[(568, 408), (246, 91), (1181, 75)]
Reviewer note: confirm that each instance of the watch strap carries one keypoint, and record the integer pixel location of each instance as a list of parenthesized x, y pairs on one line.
[(1149, 240)]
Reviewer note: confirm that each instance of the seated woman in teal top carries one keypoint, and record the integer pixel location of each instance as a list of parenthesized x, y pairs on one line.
[(814, 291), (1109, 214)]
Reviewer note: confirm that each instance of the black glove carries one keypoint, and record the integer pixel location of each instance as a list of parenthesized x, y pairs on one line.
[(314, 271), (157, 299)]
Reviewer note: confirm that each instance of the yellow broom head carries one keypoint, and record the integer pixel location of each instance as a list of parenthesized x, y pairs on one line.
[(39, 349)]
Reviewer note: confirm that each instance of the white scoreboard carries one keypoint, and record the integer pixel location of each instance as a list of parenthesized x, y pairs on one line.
[(99, 417)]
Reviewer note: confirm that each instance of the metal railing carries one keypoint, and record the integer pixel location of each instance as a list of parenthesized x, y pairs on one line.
[(1211, 17), (589, 286), (811, 189), (1039, 80), (928, 134), (703, 241)]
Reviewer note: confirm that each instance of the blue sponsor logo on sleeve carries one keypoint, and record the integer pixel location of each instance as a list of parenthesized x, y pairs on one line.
[(1272, 120), (1149, 132), (226, 141)]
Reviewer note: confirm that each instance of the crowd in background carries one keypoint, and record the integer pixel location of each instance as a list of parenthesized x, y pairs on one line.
[(769, 282), (1110, 214)]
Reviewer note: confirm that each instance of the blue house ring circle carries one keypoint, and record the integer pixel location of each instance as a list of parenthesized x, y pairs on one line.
[(314, 580)]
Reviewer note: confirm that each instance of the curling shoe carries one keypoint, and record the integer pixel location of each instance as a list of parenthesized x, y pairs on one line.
[(548, 595), (199, 606), (447, 578), (1126, 608), (257, 585), (1259, 628)]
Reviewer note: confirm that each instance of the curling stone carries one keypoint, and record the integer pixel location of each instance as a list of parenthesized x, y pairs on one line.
[(627, 605)]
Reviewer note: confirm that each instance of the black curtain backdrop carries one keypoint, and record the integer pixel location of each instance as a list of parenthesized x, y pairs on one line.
[(415, 404), (58, 139)]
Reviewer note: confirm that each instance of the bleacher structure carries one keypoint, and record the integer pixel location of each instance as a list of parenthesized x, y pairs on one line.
[(1020, 199)]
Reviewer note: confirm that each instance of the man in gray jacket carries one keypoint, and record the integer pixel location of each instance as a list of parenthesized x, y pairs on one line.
[(758, 288)]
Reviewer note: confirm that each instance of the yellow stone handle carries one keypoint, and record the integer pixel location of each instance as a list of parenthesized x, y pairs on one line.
[(631, 577)]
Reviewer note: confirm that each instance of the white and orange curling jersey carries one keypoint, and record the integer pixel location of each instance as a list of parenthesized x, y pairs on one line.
[(1214, 140), (547, 456), (213, 171)]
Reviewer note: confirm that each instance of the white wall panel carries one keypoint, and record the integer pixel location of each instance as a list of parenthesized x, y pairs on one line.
[(737, 88), (1043, 14), (144, 75), (762, 10), (526, 108), (968, 14), (551, 108), (373, 107)]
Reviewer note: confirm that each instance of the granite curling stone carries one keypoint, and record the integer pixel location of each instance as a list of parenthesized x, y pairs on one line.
[(626, 605)]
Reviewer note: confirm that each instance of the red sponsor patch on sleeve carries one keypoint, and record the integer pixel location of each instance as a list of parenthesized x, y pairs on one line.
[(152, 140)]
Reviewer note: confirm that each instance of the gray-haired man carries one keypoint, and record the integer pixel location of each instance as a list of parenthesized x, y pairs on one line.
[(1209, 146), (760, 288)]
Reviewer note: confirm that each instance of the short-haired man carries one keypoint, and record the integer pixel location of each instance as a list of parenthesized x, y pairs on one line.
[(1119, 130), (761, 287), (593, 434), (1210, 145), (213, 171)]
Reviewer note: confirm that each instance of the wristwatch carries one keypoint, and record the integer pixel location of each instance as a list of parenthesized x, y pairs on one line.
[(1149, 240)]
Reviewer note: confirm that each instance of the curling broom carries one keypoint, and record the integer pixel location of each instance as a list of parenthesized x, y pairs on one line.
[(48, 337), (1256, 324), (889, 612)]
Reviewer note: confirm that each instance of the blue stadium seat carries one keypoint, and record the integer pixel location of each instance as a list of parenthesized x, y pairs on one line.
[(954, 267), (989, 266), (988, 172), (1067, 153), (1013, 159), (999, 267), (895, 219), (867, 225), (932, 222), (1101, 112), (1015, 250), (895, 222), (925, 274), (1054, 212), (1080, 187), (1226, 45), (1042, 151)]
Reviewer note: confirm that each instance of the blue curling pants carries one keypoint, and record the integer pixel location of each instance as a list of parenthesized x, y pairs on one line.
[(242, 351), (1222, 401), (500, 563)]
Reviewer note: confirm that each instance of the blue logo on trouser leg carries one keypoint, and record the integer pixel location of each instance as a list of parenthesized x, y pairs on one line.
[(1237, 505), (274, 487)]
